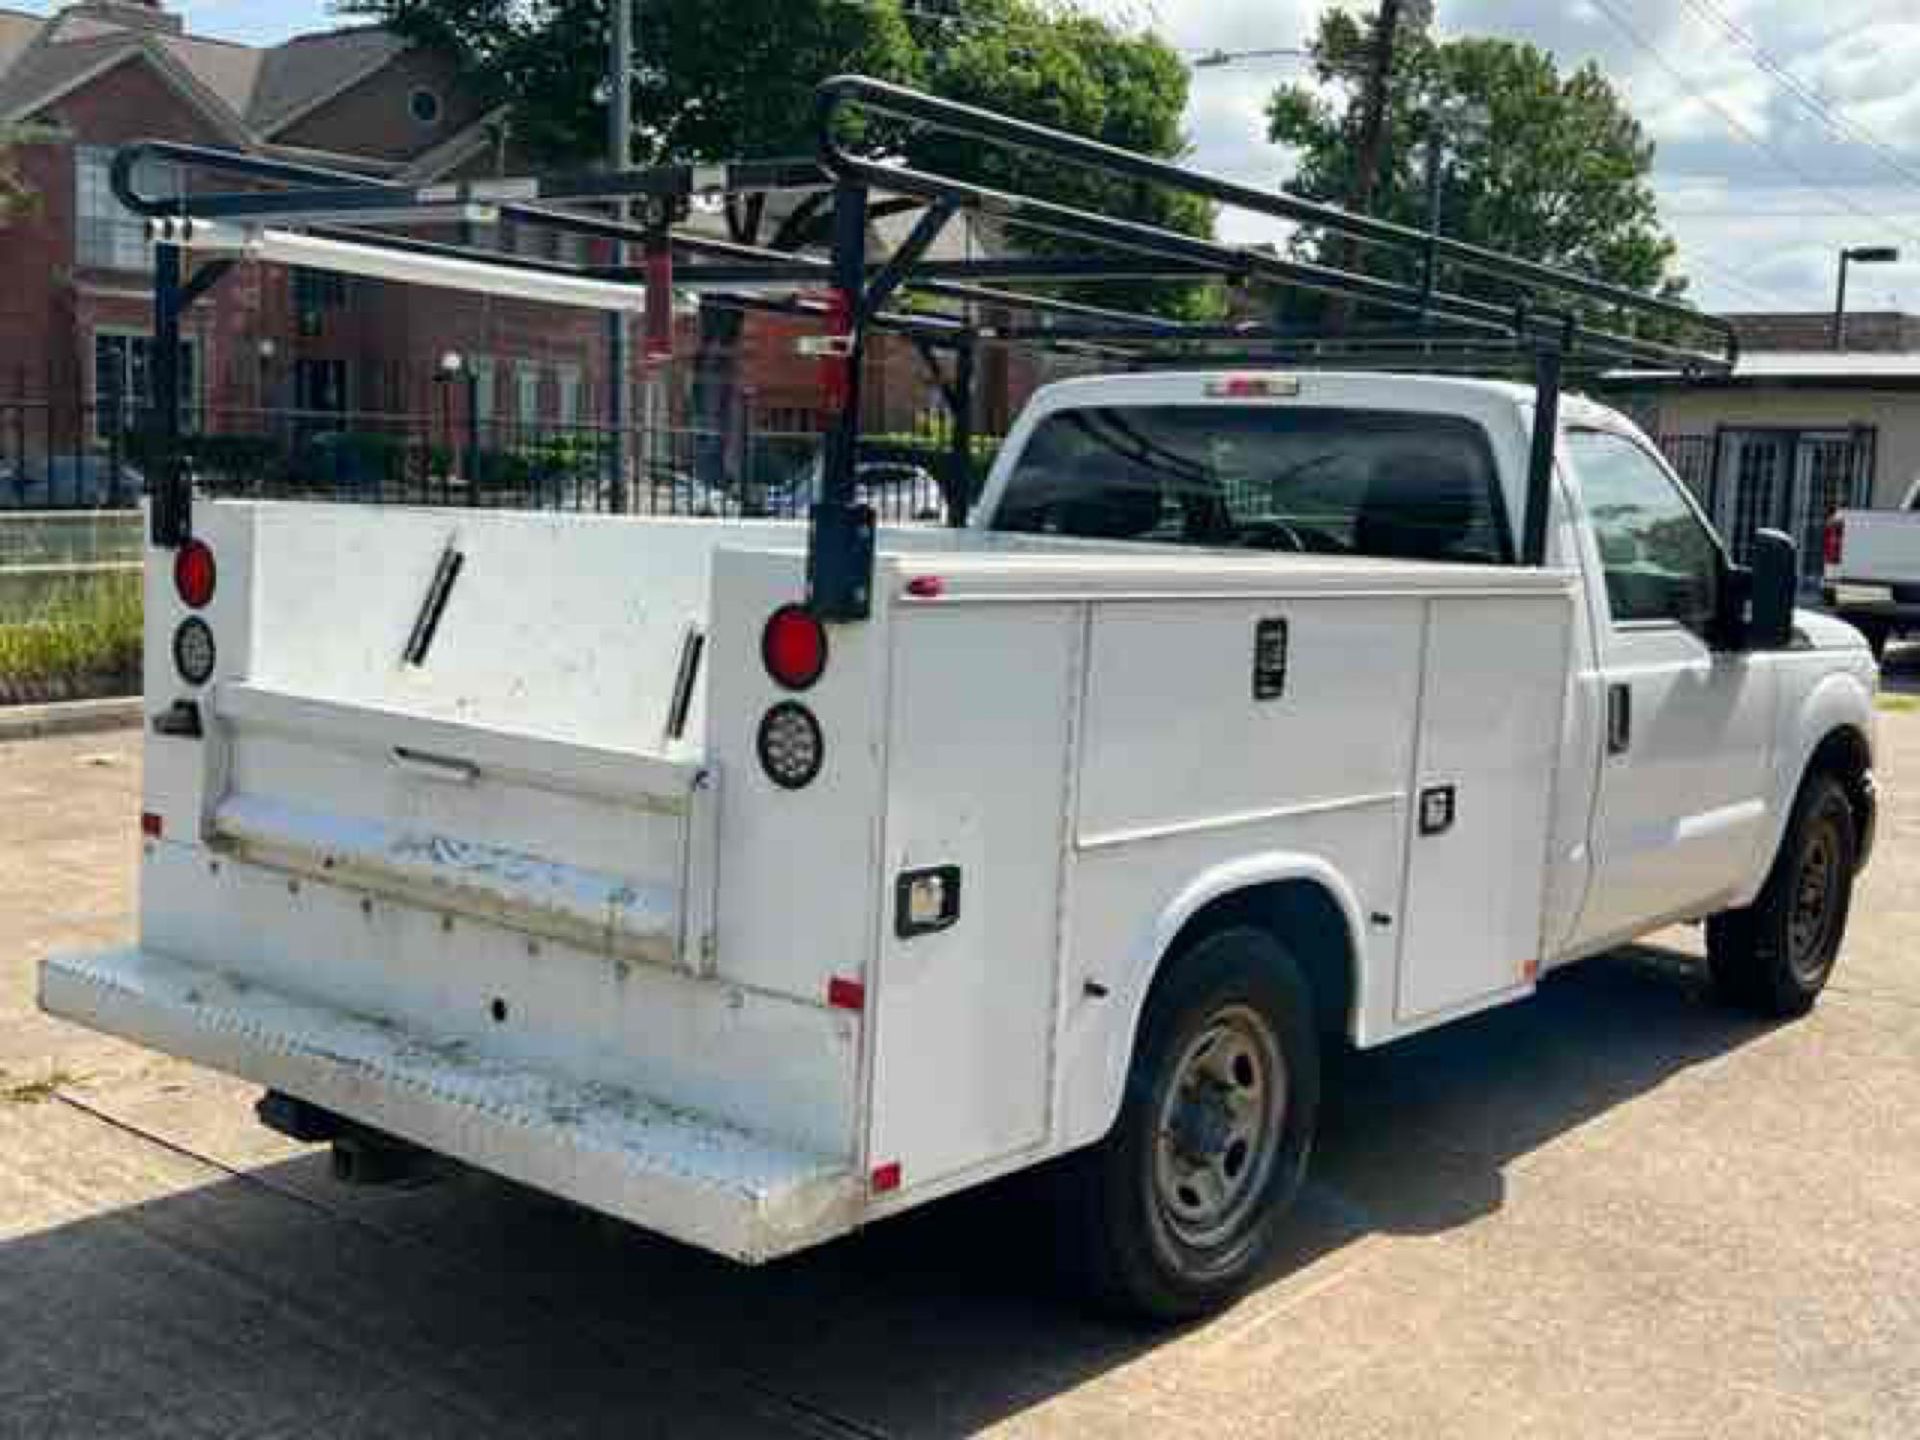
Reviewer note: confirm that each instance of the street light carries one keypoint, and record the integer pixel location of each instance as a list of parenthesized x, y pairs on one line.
[(1216, 58), (452, 365), (1858, 255)]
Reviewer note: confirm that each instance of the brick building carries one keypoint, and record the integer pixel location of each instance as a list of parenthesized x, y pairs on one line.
[(337, 352), (74, 317)]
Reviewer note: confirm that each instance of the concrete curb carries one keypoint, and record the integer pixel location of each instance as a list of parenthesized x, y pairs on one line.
[(72, 717)]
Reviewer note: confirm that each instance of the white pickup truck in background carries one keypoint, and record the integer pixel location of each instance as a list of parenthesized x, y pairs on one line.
[(1873, 570), (573, 848)]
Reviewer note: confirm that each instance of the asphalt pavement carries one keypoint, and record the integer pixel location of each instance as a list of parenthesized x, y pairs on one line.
[(1614, 1210)]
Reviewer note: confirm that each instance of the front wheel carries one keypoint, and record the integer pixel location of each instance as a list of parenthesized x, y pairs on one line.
[(1775, 956), (1172, 1214)]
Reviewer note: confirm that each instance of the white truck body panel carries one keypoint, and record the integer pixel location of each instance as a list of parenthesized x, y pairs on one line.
[(488, 903)]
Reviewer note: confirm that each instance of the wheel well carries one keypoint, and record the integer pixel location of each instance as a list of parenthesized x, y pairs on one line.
[(1303, 917), (1844, 755)]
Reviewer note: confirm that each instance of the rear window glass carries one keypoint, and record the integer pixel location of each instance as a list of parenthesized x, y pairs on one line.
[(1321, 481)]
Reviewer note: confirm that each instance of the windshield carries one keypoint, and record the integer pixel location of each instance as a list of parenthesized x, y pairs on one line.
[(1322, 481)]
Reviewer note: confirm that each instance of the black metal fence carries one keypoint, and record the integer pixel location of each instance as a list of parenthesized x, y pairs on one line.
[(57, 456)]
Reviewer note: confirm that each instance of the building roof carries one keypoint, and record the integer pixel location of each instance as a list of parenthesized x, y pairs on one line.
[(1795, 370), (1803, 330), (248, 92), (309, 70)]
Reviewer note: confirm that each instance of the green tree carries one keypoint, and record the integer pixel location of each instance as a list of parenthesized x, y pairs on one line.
[(1559, 173), (15, 194), (1081, 74)]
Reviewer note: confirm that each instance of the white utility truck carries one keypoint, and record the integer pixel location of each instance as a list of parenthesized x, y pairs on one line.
[(1873, 570), (686, 870)]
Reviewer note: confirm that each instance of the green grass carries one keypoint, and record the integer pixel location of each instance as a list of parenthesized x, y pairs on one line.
[(1899, 704), (80, 638), (34, 1092)]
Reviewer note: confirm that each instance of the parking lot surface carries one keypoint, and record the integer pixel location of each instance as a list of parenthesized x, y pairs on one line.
[(1614, 1210)]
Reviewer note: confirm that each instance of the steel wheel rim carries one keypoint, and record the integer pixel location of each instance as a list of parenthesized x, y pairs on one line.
[(1810, 919), (1218, 1133)]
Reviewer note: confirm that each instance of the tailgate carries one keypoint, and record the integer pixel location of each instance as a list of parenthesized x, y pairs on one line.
[(1881, 546), (486, 715), (568, 841)]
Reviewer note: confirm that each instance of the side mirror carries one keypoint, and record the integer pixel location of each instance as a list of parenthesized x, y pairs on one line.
[(1774, 588)]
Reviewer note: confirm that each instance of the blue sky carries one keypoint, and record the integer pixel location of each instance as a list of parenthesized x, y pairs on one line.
[(258, 22)]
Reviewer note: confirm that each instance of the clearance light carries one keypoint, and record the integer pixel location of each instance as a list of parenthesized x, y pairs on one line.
[(1254, 387), (793, 646), (886, 1178), (193, 651), (194, 574), (151, 825), (791, 746)]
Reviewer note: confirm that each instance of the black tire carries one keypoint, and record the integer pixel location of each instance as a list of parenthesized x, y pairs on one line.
[(1139, 1246), (1776, 956)]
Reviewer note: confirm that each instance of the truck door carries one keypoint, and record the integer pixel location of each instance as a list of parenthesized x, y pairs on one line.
[(1682, 801)]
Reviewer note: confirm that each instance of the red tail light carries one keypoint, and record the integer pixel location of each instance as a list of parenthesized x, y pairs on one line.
[(794, 647), (1836, 540), (194, 574)]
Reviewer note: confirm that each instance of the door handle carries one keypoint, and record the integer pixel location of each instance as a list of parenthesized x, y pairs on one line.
[(443, 768), (1619, 718)]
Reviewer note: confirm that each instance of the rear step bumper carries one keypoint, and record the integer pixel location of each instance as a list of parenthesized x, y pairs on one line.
[(690, 1177)]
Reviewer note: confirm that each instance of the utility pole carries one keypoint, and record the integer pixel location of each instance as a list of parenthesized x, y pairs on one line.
[(1375, 96), (619, 157)]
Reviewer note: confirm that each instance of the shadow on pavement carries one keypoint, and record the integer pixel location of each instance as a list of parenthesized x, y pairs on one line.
[(1900, 669), (277, 1303)]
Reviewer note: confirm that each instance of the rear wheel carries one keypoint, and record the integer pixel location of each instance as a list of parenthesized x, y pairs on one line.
[(1173, 1213), (1776, 956)]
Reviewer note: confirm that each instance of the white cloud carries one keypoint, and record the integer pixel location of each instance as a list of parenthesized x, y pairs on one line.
[(1755, 227)]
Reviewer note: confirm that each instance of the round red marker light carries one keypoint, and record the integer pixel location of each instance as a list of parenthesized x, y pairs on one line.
[(794, 647), (194, 573)]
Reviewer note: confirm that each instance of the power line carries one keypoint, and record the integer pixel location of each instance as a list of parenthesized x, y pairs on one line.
[(1733, 280), (1738, 126), (1815, 103), (1750, 213)]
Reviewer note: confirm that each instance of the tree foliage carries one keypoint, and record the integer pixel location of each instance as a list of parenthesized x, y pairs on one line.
[(736, 80), (1559, 173)]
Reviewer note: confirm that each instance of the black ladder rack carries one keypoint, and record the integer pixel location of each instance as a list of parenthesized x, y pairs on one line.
[(1556, 321)]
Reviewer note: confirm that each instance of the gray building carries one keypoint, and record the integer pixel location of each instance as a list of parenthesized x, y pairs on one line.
[(1795, 434)]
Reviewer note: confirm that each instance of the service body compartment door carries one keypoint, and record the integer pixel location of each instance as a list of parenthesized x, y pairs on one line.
[(963, 1012), (1492, 690)]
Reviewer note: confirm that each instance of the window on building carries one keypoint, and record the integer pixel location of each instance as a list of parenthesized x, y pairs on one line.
[(106, 233), (568, 379), (315, 290), (528, 408), (483, 389), (123, 382), (1660, 559)]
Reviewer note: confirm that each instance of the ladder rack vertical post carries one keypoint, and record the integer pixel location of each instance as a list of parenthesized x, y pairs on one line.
[(960, 477), (1547, 365), (840, 539), (171, 521)]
